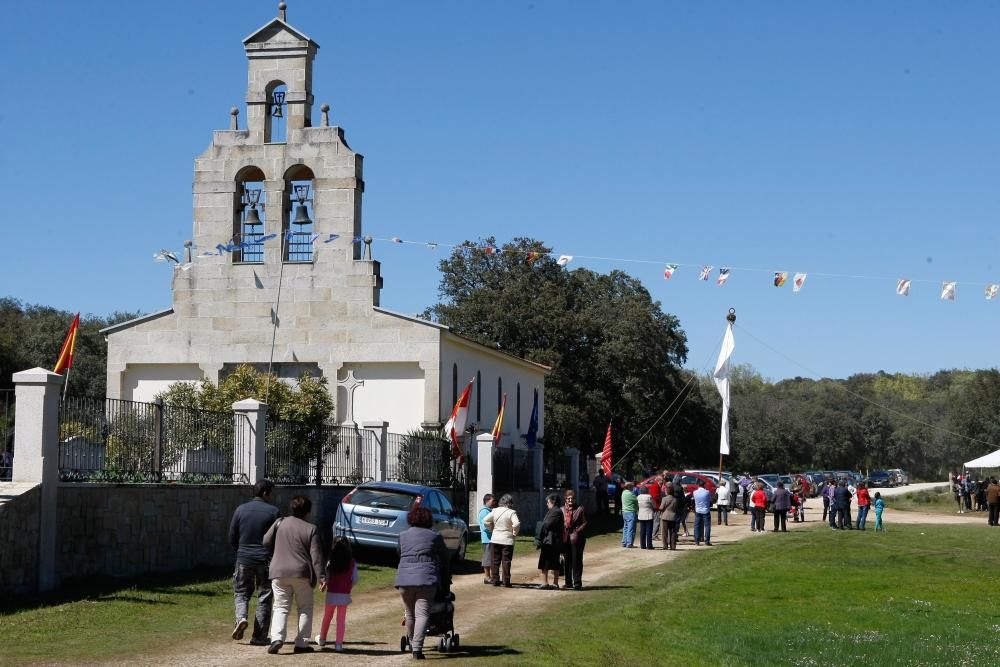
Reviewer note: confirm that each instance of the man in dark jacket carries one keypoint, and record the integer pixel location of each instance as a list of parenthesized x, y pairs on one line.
[(246, 533), (842, 499)]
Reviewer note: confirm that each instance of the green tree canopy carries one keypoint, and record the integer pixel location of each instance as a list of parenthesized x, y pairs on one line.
[(615, 355)]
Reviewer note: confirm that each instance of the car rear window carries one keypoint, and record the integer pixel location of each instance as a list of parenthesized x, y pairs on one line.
[(395, 500)]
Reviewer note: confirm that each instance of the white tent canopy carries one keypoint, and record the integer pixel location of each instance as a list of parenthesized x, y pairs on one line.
[(991, 460)]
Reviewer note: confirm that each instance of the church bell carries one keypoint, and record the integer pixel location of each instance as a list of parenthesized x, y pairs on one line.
[(252, 218), (301, 216)]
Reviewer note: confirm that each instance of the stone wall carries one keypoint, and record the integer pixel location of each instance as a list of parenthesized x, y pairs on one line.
[(131, 529), (19, 517)]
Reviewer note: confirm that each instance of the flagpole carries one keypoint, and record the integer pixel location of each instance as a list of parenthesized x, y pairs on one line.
[(731, 320), (274, 316), (66, 383)]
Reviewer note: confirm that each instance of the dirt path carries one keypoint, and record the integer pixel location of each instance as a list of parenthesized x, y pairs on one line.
[(373, 622)]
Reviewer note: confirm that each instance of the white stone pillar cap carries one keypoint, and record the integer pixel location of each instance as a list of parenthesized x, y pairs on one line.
[(249, 405), (37, 376)]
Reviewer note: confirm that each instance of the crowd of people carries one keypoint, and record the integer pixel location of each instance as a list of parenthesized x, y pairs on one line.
[(977, 495)]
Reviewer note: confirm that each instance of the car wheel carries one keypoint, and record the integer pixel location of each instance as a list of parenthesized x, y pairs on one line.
[(462, 548)]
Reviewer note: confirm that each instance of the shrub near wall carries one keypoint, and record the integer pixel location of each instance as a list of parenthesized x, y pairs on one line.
[(19, 518), (125, 530)]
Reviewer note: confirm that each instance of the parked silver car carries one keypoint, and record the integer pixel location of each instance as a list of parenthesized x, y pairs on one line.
[(374, 513)]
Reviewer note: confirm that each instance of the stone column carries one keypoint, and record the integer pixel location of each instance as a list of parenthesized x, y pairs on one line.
[(249, 453), (574, 469), (380, 431), (484, 469), (36, 433)]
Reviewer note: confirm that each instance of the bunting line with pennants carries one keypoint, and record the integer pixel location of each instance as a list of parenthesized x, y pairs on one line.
[(949, 288)]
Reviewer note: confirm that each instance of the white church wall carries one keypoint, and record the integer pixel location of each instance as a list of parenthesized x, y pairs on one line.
[(393, 392), (471, 358), (144, 382)]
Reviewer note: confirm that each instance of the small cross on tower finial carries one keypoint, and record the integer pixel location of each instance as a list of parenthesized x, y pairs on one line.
[(281, 11)]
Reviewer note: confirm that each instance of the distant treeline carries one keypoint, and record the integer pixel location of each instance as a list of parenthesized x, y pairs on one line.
[(922, 423), (31, 336)]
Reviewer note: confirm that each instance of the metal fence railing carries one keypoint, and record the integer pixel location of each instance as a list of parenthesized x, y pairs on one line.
[(300, 454), (6, 434), (418, 459), (111, 440), (513, 469)]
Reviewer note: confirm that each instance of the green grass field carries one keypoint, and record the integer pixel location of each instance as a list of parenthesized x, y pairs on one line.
[(938, 499), (919, 595)]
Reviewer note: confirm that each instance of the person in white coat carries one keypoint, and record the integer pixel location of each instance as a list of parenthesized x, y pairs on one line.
[(723, 504), (505, 526)]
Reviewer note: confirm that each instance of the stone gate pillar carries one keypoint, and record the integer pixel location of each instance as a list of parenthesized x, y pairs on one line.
[(250, 453), (484, 465), (380, 431), (36, 434)]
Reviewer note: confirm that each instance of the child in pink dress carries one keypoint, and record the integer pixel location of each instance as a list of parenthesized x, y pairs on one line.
[(341, 575)]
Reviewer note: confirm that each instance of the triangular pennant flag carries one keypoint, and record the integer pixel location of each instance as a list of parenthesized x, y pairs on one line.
[(331, 237), (489, 250), (780, 278), (669, 271), (723, 276), (564, 260), (396, 239), (948, 290), (266, 237), (991, 291), (432, 246), (706, 271), (532, 256), (312, 238), (798, 281), (358, 239), (221, 248), (903, 287)]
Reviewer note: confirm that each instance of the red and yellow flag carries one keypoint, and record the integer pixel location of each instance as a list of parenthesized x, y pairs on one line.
[(497, 431), (65, 361)]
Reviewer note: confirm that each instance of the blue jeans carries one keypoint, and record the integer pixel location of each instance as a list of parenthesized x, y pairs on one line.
[(702, 527), (628, 531), (862, 515)]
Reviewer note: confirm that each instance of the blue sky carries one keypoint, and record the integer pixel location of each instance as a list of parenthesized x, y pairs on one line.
[(844, 138)]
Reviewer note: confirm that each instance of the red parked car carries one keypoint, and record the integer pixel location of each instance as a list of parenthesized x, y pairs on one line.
[(688, 479)]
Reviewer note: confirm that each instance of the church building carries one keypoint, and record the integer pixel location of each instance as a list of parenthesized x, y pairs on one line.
[(277, 222)]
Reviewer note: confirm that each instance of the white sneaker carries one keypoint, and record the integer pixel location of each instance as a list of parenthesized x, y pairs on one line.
[(320, 641)]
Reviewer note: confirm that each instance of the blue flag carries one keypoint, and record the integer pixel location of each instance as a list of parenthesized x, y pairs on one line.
[(532, 438)]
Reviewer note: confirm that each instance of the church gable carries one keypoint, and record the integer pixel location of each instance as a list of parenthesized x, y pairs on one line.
[(276, 32)]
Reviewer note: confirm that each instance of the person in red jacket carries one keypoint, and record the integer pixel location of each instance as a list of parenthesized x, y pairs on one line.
[(864, 502), (656, 493), (759, 501)]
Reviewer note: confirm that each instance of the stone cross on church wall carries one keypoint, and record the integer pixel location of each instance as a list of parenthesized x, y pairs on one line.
[(350, 383)]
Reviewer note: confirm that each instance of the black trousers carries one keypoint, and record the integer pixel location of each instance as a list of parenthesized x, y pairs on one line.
[(826, 507), (503, 554), (994, 513), (780, 518), (602, 502), (844, 518), (758, 518), (574, 563)]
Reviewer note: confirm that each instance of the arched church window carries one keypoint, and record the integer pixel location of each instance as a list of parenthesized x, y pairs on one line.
[(479, 397), (519, 405), (276, 120), (248, 216), (454, 384), (298, 221)]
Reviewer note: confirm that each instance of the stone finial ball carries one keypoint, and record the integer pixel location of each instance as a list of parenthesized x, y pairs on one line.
[(234, 111), (282, 6), (324, 107)]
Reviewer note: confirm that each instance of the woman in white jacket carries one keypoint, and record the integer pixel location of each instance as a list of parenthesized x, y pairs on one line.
[(723, 501), (645, 516), (505, 525)]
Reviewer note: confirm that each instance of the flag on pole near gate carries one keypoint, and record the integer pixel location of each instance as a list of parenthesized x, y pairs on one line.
[(948, 290), (669, 271), (706, 271), (780, 278), (991, 291), (497, 431), (798, 281), (903, 287), (455, 427), (723, 276), (65, 360), (721, 377), (606, 453), (531, 438)]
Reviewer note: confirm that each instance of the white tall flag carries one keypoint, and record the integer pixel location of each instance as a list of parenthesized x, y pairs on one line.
[(948, 290), (722, 383)]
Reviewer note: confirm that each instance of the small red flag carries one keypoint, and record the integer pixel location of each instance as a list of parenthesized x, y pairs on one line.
[(497, 431), (65, 361), (606, 453)]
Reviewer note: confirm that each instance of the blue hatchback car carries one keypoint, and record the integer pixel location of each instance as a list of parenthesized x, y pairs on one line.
[(374, 513)]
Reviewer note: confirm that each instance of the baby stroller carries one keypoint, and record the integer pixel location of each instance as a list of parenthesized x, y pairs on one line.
[(440, 624)]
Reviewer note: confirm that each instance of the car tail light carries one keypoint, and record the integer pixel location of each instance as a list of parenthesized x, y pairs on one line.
[(347, 498)]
